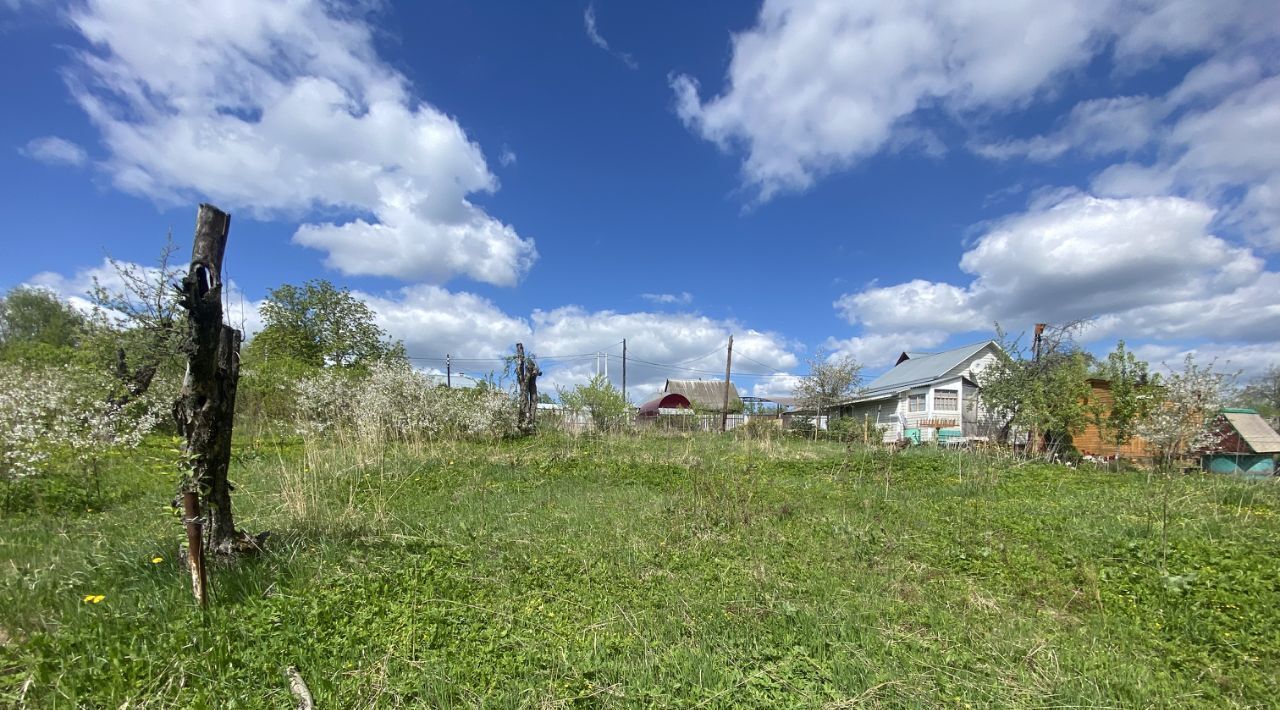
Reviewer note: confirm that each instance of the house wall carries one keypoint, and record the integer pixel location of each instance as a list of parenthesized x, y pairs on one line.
[(1091, 440), (880, 412), (970, 415)]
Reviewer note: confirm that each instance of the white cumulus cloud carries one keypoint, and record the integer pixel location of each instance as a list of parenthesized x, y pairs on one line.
[(817, 85), (285, 109), (75, 289), (1143, 267)]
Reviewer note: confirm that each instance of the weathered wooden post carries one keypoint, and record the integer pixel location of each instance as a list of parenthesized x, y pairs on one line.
[(206, 404), (527, 372), (195, 547)]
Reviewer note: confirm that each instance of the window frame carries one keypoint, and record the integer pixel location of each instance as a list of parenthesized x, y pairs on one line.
[(954, 395), (911, 403)]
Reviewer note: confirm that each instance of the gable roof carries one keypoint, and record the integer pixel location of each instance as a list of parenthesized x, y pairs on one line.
[(1254, 430), (921, 369), (707, 395)]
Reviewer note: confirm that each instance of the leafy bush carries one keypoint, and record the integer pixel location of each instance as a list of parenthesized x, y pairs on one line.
[(802, 426), (600, 399), (759, 428)]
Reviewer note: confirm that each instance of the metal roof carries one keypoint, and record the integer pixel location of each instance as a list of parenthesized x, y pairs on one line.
[(706, 395), (666, 400), (1255, 430), (921, 370)]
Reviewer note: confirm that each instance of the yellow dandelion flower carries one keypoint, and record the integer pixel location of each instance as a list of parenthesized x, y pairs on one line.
[(93, 598), (157, 560)]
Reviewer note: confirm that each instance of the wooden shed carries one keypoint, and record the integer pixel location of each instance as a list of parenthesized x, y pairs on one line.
[(1093, 441), (706, 395), (1246, 444)]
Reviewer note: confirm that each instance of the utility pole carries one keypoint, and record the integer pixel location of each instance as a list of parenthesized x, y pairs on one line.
[(728, 366), (1033, 440), (624, 369), (448, 369)]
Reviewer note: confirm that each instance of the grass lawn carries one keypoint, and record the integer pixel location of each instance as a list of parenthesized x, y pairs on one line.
[(664, 572)]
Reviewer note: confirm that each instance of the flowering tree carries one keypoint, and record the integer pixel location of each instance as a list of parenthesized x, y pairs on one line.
[(67, 411), (830, 381), (394, 402), (1181, 422)]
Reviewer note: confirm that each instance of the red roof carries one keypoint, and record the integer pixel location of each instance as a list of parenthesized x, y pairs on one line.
[(667, 400)]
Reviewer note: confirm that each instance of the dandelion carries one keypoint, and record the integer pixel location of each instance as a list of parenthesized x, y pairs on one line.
[(93, 598), (157, 560)]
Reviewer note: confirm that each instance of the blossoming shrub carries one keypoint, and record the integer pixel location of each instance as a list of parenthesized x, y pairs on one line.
[(54, 413), (394, 402), (1181, 424)]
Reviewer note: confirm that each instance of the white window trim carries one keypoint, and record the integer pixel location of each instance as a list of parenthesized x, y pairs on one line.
[(954, 392), (924, 403)]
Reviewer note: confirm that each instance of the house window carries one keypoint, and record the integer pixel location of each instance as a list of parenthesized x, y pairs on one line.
[(946, 400), (915, 403)]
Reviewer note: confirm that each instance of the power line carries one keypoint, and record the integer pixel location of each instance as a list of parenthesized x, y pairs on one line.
[(679, 366), (761, 364), (708, 372)]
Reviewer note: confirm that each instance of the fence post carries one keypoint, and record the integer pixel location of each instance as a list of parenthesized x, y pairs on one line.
[(195, 546)]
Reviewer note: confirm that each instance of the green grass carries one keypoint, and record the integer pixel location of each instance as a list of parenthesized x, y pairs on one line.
[(686, 572)]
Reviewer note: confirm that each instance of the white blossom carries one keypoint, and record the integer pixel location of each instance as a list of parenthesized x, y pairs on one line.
[(1183, 423), (394, 402), (67, 410)]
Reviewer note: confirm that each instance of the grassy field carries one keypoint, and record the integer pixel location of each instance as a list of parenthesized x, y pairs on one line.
[(663, 572)]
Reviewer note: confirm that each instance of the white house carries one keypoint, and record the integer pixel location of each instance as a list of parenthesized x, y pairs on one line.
[(927, 392)]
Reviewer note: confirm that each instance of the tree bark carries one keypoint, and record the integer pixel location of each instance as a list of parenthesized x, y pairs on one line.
[(206, 404), (527, 372), (298, 686), (136, 381)]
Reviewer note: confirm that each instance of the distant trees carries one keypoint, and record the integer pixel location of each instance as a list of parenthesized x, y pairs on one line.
[(37, 325), (318, 324), (831, 380), (1263, 394), (1044, 391)]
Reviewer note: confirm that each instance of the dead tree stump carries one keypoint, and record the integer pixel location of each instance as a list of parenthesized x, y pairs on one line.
[(206, 404), (527, 372)]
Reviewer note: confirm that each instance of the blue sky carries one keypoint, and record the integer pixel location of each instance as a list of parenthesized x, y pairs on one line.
[(837, 175)]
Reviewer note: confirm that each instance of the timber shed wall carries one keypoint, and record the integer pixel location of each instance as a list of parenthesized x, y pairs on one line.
[(1091, 440)]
